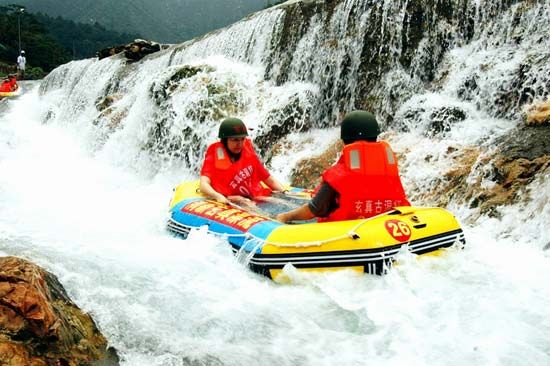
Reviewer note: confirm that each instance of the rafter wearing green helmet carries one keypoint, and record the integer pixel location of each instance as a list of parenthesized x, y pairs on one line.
[(232, 127), (232, 171)]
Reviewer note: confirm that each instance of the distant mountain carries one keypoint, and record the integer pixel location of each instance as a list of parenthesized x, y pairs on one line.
[(50, 42), (82, 40), (168, 21)]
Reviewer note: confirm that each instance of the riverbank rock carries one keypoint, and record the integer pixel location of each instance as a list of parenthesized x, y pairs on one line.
[(307, 172), (488, 179), (484, 179), (538, 114), (134, 51), (41, 326)]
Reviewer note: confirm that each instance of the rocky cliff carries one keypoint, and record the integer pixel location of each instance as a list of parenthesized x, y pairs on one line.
[(41, 326), (432, 68)]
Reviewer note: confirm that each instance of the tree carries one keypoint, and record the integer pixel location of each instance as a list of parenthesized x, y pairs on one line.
[(42, 50)]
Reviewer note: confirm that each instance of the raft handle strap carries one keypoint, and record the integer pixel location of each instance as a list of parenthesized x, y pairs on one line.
[(351, 234)]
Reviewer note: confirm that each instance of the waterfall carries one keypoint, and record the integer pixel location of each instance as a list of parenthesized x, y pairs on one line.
[(88, 160)]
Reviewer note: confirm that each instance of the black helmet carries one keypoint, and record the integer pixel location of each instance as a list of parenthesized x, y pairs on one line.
[(232, 127), (359, 125)]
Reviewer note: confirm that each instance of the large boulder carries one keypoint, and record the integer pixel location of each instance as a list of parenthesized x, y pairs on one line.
[(307, 172), (487, 179), (134, 51), (538, 114), (41, 326)]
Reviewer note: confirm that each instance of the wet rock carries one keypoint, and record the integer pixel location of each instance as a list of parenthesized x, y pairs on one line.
[(162, 91), (486, 180), (429, 30), (512, 176), (40, 325), (307, 173), (14, 354), (173, 135), (538, 114), (454, 185), (107, 102), (430, 121), (110, 117), (295, 116), (469, 88), (187, 71), (441, 120), (296, 20), (528, 143), (110, 51), (134, 51), (528, 83), (410, 120)]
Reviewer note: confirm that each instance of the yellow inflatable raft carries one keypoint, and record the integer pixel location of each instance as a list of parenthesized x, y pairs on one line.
[(366, 245)]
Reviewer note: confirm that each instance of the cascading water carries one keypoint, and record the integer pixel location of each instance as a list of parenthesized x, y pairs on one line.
[(87, 165)]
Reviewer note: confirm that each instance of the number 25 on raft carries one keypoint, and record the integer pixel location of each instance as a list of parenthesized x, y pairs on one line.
[(399, 230)]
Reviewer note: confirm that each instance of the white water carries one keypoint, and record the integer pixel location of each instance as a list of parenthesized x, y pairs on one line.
[(89, 204), (99, 226)]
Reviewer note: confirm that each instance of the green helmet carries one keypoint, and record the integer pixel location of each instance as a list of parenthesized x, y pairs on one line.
[(232, 127), (359, 125)]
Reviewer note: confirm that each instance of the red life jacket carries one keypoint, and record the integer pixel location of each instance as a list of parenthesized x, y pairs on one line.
[(13, 84), (367, 181), (242, 178), (5, 86), (9, 85)]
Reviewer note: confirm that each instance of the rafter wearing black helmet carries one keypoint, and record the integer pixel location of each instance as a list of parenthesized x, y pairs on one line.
[(363, 183)]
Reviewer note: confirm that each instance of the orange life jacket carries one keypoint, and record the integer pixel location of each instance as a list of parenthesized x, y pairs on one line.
[(367, 181), (8, 85), (13, 84), (5, 86), (243, 177)]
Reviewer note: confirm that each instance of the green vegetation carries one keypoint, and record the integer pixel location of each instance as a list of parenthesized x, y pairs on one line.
[(83, 40), (43, 51), (49, 42), (166, 21)]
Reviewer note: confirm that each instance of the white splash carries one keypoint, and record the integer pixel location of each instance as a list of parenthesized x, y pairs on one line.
[(88, 201)]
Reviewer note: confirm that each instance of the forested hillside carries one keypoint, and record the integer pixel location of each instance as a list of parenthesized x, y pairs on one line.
[(44, 52), (82, 40), (50, 42), (166, 21)]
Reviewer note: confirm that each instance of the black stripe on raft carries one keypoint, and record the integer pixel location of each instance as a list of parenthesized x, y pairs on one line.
[(374, 261)]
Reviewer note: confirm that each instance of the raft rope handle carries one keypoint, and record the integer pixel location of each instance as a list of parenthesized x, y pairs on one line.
[(317, 243), (350, 235), (277, 244)]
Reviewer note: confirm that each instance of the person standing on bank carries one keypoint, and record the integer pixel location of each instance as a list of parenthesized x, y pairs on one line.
[(363, 183), (232, 171), (21, 64)]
